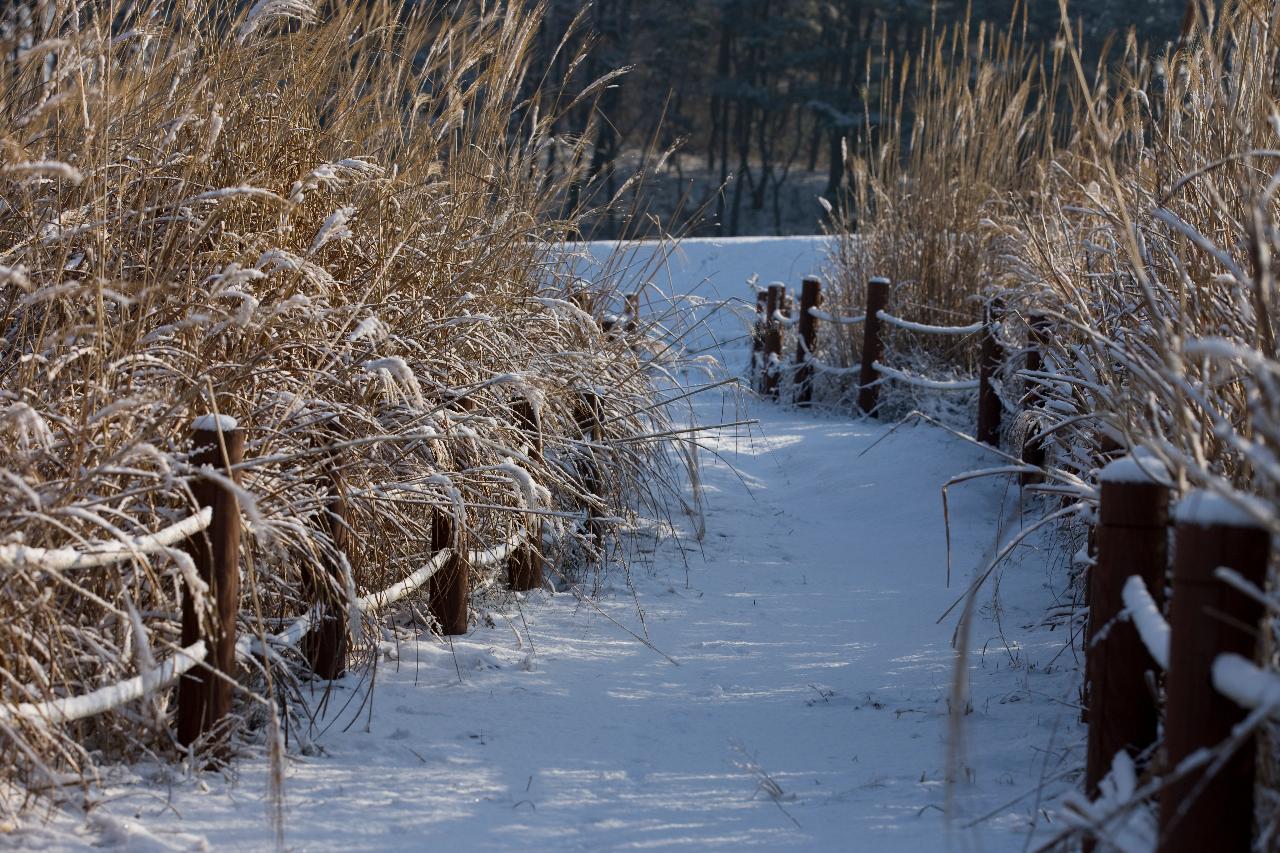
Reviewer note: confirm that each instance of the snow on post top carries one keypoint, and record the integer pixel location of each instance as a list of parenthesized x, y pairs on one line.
[(1204, 508), (1141, 466), (214, 423), (879, 280)]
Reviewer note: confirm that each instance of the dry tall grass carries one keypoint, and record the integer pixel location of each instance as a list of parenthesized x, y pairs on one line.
[(1134, 204), (325, 221), (954, 133)]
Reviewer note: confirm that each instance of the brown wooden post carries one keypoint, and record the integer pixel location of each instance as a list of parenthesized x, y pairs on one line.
[(1033, 449), (1131, 539), (204, 697), (451, 585), (586, 301), (757, 344), (872, 345), (1209, 618), (589, 414), (989, 406), (325, 645), (773, 338), (632, 302), (524, 566), (807, 326)]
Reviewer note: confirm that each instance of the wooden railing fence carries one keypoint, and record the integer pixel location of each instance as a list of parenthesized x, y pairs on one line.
[(773, 318), (1202, 655), (1170, 643), (204, 664)]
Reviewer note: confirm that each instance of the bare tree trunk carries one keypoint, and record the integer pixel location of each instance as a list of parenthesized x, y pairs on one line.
[(720, 110)]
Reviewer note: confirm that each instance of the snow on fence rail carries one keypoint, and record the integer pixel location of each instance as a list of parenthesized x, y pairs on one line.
[(113, 696), (927, 329), (924, 382), (105, 553), (108, 698), (1214, 695), (1146, 617), (838, 320)]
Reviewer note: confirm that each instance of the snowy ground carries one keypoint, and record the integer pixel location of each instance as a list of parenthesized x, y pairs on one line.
[(798, 697)]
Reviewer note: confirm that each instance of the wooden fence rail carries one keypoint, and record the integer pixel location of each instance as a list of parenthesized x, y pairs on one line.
[(990, 408), (204, 665), (1213, 625)]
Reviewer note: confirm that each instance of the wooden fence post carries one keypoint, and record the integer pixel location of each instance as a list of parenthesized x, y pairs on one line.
[(1033, 449), (204, 698), (989, 405), (524, 566), (325, 645), (773, 338), (872, 345), (1209, 618), (757, 344), (589, 413), (1131, 538), (632, 302), (810, 298), (451, 585), (585, 300)]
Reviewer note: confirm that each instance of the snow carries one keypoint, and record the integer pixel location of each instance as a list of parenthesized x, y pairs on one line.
[(1146, 617), (1141, 466), (925, 382), (794, 689), (105, 553), (1244, 683), (214, 423), (832, 318), (1129, 827), (112, 695), (384, 598), (714, 277), (1204, 508), (927, 329), (50, 168), (398, 377)]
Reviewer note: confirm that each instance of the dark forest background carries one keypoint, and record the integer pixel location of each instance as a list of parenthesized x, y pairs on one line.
[(757, 96)]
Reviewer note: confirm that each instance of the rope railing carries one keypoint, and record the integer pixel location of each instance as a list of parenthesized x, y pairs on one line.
[(210, 543), (927, 329), (113, 696), (69, 708), (923, 381), (105, 553), (818, 314), (772, 321)]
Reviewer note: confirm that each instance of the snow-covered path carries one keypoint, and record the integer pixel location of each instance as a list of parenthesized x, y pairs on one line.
[(804, 631), (805, 704)]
